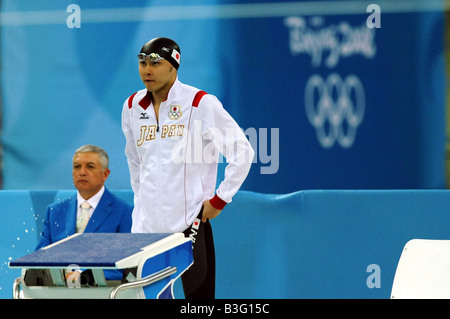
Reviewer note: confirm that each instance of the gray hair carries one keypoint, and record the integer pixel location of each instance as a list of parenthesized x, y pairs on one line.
[(103, 156)]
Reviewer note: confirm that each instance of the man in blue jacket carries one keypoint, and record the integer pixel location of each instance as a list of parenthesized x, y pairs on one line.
[(94, 209)]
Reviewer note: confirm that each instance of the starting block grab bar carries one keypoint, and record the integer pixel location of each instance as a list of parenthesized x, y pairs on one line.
[(150, 279)]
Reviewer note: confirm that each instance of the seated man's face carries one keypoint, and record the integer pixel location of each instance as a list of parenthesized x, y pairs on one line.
[(88, 174)]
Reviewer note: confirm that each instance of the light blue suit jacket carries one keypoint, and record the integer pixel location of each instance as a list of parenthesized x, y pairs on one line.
[(112, 215)]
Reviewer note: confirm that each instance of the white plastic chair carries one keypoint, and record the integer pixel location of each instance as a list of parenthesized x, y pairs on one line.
[(423, 270)]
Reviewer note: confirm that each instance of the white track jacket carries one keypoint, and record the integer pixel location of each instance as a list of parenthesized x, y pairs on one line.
[(173, 161)]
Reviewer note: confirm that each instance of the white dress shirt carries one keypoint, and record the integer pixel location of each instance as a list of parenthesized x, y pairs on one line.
[(93, 201)]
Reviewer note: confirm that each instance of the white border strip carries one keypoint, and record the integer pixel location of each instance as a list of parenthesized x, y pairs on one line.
[(234, 11)]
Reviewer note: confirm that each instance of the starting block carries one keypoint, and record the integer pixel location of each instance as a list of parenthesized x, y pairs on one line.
[(153, 263)]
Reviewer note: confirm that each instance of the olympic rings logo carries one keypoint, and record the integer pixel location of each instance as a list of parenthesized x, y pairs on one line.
[(335, 108)]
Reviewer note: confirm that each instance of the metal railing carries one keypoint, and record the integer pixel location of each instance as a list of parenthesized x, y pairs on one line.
[(148, 280)]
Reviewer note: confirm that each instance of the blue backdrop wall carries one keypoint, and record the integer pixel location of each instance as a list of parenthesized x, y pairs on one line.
[(327, 100)]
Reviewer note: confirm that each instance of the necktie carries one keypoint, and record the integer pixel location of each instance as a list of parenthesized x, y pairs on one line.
[(83, 218)]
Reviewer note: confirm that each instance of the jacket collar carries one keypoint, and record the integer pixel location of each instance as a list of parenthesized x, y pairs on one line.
[(103, 210), (173, 92)]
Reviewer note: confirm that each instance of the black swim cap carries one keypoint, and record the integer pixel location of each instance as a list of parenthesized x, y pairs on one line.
[(163, 48)]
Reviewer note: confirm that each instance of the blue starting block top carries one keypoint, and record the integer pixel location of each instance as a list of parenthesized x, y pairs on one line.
[(90, 250)]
